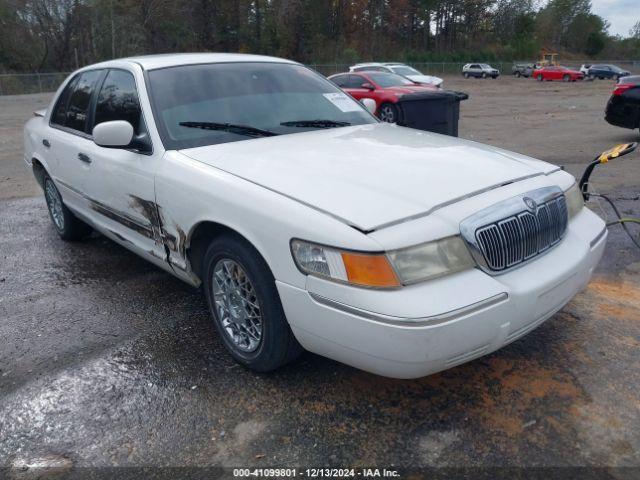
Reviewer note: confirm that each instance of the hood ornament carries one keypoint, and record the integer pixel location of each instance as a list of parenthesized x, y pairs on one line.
[(531, 204)]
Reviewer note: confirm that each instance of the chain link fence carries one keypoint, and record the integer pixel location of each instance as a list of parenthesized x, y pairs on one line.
[(24, 83)]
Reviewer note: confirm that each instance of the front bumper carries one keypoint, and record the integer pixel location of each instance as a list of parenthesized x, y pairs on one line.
[(425, 328)]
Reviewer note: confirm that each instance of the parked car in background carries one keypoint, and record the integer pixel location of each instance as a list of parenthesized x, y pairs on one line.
[(552, 72), (584, 68), (307, 222), (523, 69), (480, 70), (385, 88), (623, 108), (602, 71), (400, 69)]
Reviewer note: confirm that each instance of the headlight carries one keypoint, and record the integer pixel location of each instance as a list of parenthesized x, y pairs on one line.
[(432, 259), (575, 200), (364, 269), (399, 267)]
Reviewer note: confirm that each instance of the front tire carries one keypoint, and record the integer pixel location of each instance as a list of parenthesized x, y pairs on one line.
[(484, 75), (388, 113), (466, 75), (566, 78), (68, 226), (245, 305), (517, 74)]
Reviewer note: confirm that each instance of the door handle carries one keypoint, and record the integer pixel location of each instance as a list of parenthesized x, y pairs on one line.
[(46, 143), (84, 158)]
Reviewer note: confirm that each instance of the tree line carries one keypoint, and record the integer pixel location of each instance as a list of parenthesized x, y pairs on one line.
[(60, 35)]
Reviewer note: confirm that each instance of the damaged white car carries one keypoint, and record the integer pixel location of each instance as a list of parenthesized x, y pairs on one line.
[(310, 224)]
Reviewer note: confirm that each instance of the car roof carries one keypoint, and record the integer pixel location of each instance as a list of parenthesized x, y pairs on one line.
[(370, 64), (153, 62)]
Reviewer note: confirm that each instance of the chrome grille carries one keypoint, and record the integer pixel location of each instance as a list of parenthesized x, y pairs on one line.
[(508, 234)]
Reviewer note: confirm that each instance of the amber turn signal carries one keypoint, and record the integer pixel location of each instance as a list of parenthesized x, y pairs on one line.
[(369, 270)]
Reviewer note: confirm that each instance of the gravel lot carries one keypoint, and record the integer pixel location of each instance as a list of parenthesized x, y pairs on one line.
[(106, 361)]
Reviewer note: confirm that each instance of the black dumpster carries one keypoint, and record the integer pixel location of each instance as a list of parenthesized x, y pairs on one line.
[(435, 111)]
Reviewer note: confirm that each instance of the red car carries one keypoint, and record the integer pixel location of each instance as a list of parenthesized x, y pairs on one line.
[(385, 88), (557, 73)]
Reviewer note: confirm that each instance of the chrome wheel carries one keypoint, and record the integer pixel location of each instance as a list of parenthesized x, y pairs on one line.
[(54, 203), (237, 306), (387, 114)]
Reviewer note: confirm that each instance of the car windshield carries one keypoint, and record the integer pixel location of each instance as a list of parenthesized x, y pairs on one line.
[(404, 70), (485, 66), (385, 80), (196, 105), (615, 69)]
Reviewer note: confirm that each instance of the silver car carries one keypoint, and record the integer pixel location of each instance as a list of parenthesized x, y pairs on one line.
[(480, 70)]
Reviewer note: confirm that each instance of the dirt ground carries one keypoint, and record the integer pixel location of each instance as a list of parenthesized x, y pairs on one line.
[(107, 362)]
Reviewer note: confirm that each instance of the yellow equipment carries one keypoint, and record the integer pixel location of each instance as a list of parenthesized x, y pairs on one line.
[(548, 58)]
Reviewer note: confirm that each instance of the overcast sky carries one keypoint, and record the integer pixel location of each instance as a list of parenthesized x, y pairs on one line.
[(621, 14)]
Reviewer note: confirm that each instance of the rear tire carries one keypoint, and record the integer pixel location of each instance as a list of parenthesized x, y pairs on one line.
[(68, 226), (540, 77), (517, 74), (245, 305)]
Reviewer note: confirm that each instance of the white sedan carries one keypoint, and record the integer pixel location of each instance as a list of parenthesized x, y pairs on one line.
[(310, 224), (399, 69)]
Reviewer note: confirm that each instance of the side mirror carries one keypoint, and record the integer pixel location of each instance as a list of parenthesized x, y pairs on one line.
[(368, 86), (114, 134), (370, 105)]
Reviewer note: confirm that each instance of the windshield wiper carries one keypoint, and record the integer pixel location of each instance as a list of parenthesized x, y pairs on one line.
[(318, 123), (231, 128)]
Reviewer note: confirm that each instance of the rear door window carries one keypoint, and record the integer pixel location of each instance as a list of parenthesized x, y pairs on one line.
[(80, 101), (118, 100), (356, 81), (60, 110), (340, 80)]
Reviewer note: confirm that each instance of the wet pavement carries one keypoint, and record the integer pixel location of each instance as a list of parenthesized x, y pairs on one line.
[(108, 361)]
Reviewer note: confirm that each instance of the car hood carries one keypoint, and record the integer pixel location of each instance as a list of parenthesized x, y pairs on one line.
[(425, 79), (372, 175)]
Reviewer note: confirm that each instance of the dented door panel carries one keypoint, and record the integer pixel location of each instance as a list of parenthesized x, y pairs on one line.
[(121, 196)]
